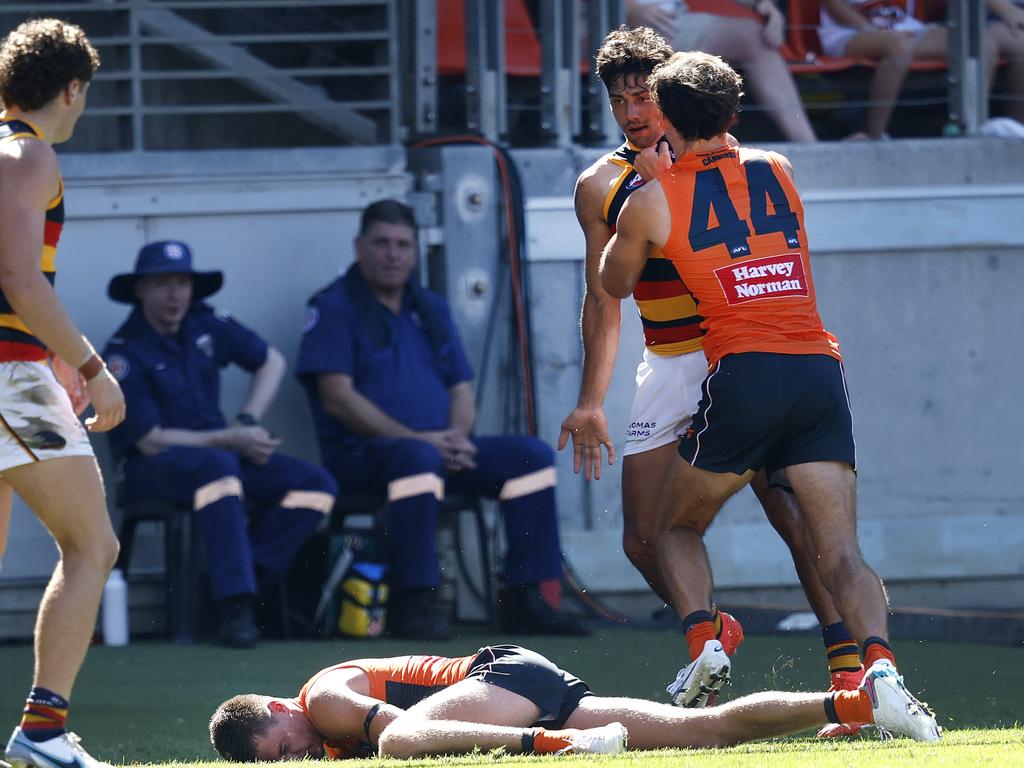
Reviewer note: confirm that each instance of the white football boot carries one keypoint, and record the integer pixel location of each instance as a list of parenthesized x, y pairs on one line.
[(607, 740), (895, 708), (64, 751), (701, 678)]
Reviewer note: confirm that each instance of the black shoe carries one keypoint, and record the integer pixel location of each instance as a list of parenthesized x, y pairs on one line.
[(237, 627), (523, 610), (413, 614)]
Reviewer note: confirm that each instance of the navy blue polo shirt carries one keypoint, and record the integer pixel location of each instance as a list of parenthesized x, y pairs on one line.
[(409, 378), (173, 381)]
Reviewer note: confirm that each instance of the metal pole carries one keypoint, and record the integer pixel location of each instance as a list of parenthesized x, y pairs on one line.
[(424, 53), (601, 127), (554, 97), (968, 104), (494, 97), (135, 65)]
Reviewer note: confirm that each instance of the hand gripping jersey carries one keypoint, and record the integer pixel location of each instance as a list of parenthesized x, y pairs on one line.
[(16, 340), (739, 243), (400, 680), (667, 309)]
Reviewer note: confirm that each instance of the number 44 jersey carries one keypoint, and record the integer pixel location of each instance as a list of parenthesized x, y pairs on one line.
[(738, 242)]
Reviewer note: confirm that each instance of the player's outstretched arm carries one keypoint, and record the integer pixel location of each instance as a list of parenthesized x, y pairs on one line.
[(599, 324)]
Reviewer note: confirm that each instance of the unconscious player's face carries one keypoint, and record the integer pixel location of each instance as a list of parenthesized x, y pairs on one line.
[(635, 111), (289, 736)]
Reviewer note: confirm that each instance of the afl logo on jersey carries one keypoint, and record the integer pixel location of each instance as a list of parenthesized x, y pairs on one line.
[(636, 182)]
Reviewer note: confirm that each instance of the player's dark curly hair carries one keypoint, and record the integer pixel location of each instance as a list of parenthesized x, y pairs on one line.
[(387, 212), (234, 725), (624, 52), (39, 58), (698, 93)]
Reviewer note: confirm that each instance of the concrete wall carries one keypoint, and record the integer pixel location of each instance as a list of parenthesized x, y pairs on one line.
[(918, 253), (279, 224), (918, 257)]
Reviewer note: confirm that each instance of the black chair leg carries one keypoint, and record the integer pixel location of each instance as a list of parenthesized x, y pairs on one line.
[(127, 540), (485, 563)]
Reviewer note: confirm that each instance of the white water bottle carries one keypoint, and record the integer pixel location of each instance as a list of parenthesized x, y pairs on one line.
[(115, 609)]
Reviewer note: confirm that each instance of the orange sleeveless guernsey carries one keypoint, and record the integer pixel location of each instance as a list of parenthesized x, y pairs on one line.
[(400, 680), (739, 243)]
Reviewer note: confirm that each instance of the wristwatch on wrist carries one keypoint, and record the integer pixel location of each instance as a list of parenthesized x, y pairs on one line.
[(247, 420)]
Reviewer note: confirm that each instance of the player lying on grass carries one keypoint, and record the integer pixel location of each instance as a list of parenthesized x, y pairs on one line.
[(512, 698)]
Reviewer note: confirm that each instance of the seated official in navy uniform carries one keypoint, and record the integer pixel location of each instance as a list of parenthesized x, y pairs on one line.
[(390, 389), (176, 444)]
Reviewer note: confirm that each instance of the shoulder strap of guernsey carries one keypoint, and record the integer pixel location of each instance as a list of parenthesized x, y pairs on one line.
[(12, 129)]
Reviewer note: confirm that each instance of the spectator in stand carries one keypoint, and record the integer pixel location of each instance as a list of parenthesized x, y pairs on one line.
[(889, 34), (728, 28)]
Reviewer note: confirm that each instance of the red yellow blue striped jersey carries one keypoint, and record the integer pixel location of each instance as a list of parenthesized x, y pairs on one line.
[(16, 341), (667, 309)]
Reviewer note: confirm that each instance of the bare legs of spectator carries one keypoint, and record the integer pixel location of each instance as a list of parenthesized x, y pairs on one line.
[(740, 42), (1002, 43), (67, 496)]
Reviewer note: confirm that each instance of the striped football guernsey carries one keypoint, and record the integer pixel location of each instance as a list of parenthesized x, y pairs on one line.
[(667, 309), (16, 340)]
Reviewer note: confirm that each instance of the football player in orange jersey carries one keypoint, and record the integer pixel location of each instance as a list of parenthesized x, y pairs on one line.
[(731, 221), (673, 366), (511, 698), (46, 66)]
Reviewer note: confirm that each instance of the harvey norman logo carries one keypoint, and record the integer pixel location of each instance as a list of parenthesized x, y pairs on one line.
[(771, 277)]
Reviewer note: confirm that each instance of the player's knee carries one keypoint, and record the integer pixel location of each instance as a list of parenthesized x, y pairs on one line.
[(841, 566), (640, 551), (95, 550), (536, 454)]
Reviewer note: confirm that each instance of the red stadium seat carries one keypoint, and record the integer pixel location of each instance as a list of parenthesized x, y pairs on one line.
[(522, 49)]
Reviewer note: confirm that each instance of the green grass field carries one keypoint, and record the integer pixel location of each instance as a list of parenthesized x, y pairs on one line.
[(150, 702)]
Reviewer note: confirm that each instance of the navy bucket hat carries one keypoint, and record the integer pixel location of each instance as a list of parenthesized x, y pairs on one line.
[(164, 257)]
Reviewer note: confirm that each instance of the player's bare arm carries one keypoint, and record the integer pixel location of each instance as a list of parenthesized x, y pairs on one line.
[(643, 221), (339, 704), (29, 180), (599, 325)]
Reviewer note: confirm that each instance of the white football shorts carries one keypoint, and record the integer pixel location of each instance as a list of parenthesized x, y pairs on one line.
[(36, 419), (667, 393)]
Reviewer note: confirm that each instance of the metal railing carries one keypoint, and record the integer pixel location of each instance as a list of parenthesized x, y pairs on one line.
[(181, 73), (193, 74)]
